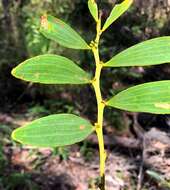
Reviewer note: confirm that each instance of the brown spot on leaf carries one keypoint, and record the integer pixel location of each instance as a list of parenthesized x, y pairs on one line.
[(44, 22), (82, 127)]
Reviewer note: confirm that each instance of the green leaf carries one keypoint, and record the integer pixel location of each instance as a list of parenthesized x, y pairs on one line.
[(116, 12), (54, 130), (55, 29), (151, 52), (51, 69), (152, 97), (93, 9), (155, 175)]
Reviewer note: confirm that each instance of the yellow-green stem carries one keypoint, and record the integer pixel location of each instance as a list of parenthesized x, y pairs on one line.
[(100, 105)]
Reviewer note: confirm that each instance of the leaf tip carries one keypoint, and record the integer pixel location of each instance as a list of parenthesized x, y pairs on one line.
[(14, 136), (93, 2), (13, 72), (16, 74)]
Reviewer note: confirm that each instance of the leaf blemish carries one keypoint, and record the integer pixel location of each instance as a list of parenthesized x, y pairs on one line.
[(44, 22), (37, 75), (162, 105), (82, 127)]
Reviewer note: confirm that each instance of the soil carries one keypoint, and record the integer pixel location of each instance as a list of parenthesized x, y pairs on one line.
[(79, 171)]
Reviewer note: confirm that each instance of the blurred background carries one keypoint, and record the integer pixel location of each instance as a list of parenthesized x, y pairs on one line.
[(76, 167)]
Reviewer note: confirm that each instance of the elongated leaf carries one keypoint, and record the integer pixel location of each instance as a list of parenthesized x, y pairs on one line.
[(54, 130), (152, 97), (116, 12), (151, 52), (55, 29), (93, 9), (51, 69)]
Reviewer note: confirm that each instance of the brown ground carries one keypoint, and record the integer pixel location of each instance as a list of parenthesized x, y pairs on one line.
[(79, 172)]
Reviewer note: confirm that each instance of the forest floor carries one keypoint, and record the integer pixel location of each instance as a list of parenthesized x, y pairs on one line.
[(77, 167)]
